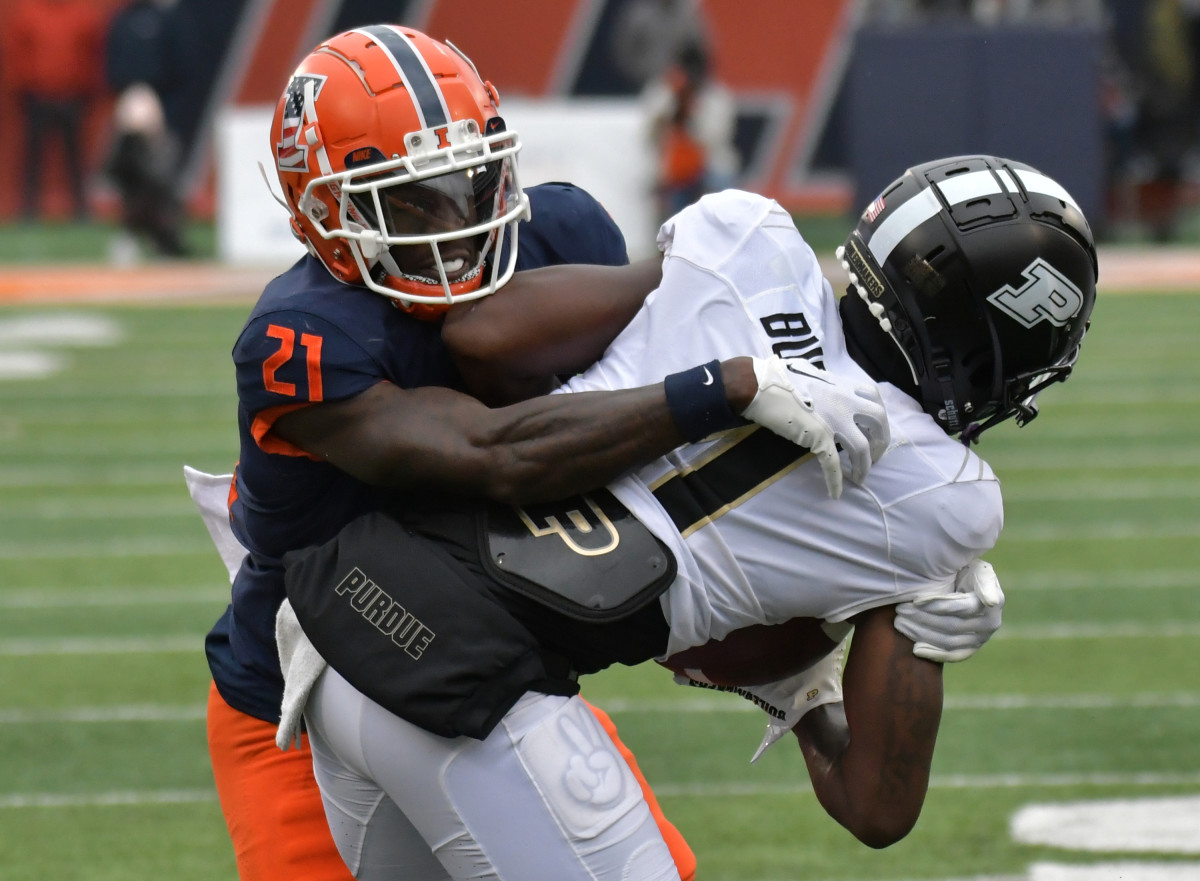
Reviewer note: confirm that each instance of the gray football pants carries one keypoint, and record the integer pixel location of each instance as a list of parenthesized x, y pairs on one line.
[(546, 797)]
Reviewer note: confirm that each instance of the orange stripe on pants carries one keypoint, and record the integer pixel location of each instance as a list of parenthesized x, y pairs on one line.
[(685, 860), (270, 799), (273, 808)]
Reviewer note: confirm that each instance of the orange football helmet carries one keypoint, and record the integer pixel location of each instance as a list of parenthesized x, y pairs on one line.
[(397, 169)]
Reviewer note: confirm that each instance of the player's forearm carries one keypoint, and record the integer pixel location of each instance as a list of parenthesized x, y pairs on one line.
[(876, 785), (545, 322), (540, 449), (562, 444)]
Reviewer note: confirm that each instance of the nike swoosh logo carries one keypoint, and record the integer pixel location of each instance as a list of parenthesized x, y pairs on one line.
[(708, 377)]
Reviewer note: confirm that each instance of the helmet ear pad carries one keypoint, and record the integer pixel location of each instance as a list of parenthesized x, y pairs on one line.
[(872, 348), (337, 254), (946, 361)]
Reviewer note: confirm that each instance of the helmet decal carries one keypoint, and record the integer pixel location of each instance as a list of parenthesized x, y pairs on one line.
[(290, 153), (874, 209), (1047, 295), (428, 100), (975, 277), (955, 191)]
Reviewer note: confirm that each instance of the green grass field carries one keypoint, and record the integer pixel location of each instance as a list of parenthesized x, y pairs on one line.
[(108, 584)]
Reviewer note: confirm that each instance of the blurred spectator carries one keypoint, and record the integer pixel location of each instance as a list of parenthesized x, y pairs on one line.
[(1167, 121), (650, 35), (904, 11), (692, 121), (1118, 101), (1155, 42), (52, 50), (142, 166), (142, 46), (1038, 11), (987, 12)]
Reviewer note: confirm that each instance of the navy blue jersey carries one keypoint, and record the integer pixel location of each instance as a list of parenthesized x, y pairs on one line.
[(310, 339)]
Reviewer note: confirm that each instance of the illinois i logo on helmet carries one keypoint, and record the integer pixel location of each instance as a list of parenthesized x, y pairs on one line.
[(290, 153)]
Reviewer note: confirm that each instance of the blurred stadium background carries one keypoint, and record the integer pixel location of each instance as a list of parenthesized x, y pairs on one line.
[(1069, 747)]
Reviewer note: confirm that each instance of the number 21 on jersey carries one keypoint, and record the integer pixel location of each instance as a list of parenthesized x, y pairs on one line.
[(310, 343)]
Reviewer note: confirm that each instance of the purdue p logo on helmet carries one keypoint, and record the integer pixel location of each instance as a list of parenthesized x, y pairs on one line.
[(1048, 296), (972, 283)]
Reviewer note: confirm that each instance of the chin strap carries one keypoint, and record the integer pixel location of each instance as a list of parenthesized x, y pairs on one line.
[(943, 385)]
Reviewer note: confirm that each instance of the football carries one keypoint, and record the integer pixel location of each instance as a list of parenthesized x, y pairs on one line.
[(757, 654)]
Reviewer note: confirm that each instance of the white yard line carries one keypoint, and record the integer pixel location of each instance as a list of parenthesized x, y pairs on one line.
[(716, 704), (727, 704), (57, 597), (109, 645), (1028, 531), (104, 714), (1099, 630), (99, 400), (1072, 701), (115, 548), (79, 476), (92, 597), (1108, 579), (157, 507), (938, 781), (1168, 459), (160, 547), (1124, 870), (101, 645), (680, 790), (98, 509), (1168, 824), (106, 799), (1114, 490)]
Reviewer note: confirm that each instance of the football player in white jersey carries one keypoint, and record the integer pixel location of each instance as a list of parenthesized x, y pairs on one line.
[(972, 280)]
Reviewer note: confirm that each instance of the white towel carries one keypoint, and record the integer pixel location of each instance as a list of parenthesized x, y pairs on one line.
[(298, 659), (210, 494), (301, 665)]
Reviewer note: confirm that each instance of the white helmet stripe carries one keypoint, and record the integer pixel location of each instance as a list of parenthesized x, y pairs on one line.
[(901, 222), (1039, 183), (965, 187), (418, 79), (956, 190), (310, 133)]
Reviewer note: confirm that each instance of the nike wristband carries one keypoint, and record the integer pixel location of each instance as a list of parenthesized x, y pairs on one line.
[(696, 399)]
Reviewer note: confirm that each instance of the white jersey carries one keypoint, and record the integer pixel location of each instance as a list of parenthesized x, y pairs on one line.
[(748, 517)]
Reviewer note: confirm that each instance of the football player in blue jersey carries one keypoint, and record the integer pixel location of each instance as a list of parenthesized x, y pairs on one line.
[(400, 178)]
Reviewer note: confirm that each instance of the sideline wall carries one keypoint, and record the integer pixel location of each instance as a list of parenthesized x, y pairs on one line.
[(562, 140), (1025, 93)]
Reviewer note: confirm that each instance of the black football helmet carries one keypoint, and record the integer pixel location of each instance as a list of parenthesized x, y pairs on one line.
[(972, 281)]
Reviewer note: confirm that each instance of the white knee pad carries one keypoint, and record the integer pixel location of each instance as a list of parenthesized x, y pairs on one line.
[(588, 789), (575, 765)]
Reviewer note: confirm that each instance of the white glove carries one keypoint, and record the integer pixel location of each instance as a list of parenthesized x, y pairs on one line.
[(819, 410), (786, 701), (952, 627)]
